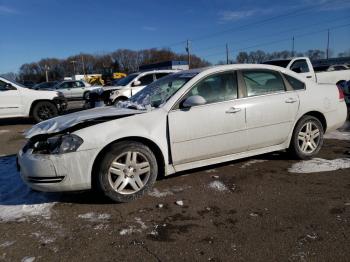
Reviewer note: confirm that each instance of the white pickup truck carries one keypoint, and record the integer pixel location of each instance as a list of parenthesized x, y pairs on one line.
[(303, 66), (18, 101)]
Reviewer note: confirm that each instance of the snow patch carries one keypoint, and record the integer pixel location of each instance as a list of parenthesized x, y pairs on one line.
[(338, 135), (252, 162), (7, 244), (93, 217), (17, 200), (156, 193), (141, 226), (168, 191), (28, 259), (218, 186), (320, 165)]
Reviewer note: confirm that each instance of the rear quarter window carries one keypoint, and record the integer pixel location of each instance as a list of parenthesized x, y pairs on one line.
[(295, 83)]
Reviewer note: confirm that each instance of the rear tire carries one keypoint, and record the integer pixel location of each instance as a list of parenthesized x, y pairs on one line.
[(307, 138), (127, 171), (44, 110)]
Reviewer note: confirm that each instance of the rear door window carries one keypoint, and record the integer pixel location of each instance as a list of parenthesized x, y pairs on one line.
[(295, 83), (262, 82)]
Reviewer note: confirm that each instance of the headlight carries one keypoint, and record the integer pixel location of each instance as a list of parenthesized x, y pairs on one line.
[(60, 144)]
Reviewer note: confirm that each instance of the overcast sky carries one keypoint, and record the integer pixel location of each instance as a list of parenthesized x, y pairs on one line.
[(35, 29)]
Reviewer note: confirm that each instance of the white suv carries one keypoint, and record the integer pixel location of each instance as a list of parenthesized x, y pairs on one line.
[(72, 89), (134, 83), (18, 101)]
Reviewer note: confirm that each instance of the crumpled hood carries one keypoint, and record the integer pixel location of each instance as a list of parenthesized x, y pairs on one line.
[(61, 123)]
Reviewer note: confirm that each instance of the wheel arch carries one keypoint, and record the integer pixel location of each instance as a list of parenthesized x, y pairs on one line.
[(313, 113), (35, 102), (151, 144), (120, 98), (317, 115)]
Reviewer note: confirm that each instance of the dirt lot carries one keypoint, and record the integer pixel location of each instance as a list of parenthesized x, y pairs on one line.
[(248, 210)]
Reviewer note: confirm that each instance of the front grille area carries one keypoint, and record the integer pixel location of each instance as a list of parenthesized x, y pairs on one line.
[(47, 180)]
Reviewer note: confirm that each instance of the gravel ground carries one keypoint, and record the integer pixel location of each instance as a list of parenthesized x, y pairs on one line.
[(248, 210)]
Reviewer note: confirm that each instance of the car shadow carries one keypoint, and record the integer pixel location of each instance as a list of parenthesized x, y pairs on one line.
[(13, 191), (16, 121)]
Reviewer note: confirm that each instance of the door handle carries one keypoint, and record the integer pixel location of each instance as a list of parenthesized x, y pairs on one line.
[(291, 100), (232, 110), (308, 76)]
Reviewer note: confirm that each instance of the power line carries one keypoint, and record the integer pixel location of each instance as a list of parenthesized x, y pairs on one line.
[(302, 10), (278, 33), (281, 40)]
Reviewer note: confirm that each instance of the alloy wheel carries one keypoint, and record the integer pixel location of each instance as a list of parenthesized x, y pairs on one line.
[(309, 137), (129, 172)]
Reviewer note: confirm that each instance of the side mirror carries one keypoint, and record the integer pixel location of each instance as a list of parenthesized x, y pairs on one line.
[(193, 101), (136, 83)]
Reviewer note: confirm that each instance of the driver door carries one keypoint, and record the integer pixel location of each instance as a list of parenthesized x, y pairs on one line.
[(214, 129), (10, 101)]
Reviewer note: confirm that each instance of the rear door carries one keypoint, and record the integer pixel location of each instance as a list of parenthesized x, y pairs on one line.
[(10, 101), (270, 108), (66, 89), (77, 89), (214, 129)]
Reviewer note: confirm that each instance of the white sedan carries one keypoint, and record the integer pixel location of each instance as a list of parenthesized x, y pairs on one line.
[(185, 120)]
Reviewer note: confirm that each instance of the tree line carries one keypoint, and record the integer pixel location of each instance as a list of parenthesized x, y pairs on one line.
[(128, 61), (121, 60)]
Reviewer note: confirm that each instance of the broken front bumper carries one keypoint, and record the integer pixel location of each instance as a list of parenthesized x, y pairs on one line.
[(61, 103), (56, 173)]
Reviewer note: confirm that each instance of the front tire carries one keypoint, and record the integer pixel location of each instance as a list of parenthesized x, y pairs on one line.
[(127, 171), (307, 138), (86, 95), (44, 110)]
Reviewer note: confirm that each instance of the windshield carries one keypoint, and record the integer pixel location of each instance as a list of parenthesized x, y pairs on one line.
[(157, 93), (126, 80), (281, 63)]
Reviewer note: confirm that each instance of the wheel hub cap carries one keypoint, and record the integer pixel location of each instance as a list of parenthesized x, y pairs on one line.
[(309, 137), (129, 172)]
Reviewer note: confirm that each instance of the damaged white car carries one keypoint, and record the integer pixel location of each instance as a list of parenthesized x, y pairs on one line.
[(185, 120)]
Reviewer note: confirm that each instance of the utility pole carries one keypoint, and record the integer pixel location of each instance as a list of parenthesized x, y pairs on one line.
[(73, 62), (188, 54), (227, 54), (293, 51), (82, 61), (327, 51), (46, 73)]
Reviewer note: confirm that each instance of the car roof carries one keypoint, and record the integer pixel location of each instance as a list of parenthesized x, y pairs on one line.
[(232, 67)]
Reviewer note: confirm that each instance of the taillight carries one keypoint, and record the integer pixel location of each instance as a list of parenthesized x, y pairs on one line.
[(341, 93)]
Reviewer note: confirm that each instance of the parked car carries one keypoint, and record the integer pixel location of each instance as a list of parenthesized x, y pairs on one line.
[(330, 68), (303, 66), (45, 85), (27, 83), (74, 89), (185, 120), (18, 101), (133, 83)]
